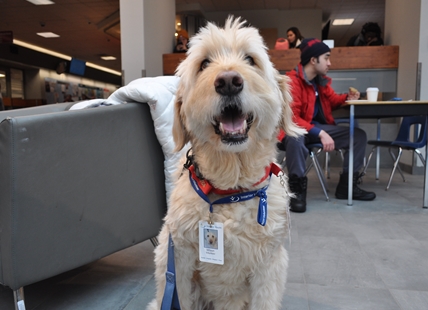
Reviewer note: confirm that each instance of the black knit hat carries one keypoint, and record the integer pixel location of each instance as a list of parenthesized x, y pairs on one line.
[(311, 47)]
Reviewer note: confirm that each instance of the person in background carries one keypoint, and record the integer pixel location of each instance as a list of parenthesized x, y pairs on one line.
[(294, 37), (182, 42), (312, 105), (68, 98), (281, 44), (369, 36)]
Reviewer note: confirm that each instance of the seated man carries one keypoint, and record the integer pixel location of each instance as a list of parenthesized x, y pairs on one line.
[(313, 102)]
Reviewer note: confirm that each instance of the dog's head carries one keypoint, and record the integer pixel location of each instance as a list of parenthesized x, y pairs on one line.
[(230, 95), (211, 238)]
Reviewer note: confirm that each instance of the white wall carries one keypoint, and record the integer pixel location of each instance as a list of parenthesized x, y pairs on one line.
[(402, 24), (405, 25), (423, 48), (147, 32), (132, 39), (159, 30), (309, 22), (258, 19)]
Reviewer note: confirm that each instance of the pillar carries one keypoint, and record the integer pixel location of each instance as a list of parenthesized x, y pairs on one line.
[(147, 30)]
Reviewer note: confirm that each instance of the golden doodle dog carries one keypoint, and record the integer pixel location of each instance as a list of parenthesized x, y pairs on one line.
[(230, 105)]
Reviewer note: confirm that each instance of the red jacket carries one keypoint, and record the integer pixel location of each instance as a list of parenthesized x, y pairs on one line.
[(303, 94)]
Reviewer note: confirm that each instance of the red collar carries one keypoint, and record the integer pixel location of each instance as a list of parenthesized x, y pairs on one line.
[(207, 188)]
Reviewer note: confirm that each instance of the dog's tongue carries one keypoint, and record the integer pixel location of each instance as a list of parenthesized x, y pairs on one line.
[(232, 123)]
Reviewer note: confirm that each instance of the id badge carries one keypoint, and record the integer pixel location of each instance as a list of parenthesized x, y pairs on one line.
[(211, 246)]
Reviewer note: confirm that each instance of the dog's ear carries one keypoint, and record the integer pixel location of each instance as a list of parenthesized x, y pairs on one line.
[(286, 123), (179, 132)]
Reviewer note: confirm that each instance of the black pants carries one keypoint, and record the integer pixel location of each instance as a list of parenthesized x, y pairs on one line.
[(297, 152)]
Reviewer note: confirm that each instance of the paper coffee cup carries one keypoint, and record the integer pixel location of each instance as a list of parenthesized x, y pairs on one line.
[(372, 93)]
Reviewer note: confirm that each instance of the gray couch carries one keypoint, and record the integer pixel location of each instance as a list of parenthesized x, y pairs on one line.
[(75, 186)]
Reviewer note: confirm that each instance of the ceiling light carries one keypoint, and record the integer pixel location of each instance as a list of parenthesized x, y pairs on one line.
[(343, 22), (62, 56), (92, 65), (41, 49), (41, 2), (108, 58), (48, 34), (2, 75)]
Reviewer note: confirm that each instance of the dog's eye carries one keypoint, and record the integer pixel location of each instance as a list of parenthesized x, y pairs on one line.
[(204, 64), (250, 60)]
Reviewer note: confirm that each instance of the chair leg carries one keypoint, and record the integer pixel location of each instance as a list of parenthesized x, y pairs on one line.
[(368, 160), (327, 165), (398, 166), (309, 167), (18, 296), (400, 151), (154, 241), (421, 157), (319, 172)]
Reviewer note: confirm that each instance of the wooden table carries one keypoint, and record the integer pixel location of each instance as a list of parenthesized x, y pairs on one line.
[(382, 109)]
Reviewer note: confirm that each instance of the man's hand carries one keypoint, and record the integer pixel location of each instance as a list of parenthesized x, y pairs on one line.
[(353, 94), (327, 141)]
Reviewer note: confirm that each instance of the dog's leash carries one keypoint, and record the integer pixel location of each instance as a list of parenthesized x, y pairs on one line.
[(170, 297)]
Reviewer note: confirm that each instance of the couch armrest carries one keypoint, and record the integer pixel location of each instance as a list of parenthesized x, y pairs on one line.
[(76, 186), (49, 108)]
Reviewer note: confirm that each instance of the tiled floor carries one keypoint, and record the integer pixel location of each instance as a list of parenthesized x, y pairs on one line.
[(372, 255)]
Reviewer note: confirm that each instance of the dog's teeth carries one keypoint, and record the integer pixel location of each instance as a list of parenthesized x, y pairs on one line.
[(244, 128), (221, 127)]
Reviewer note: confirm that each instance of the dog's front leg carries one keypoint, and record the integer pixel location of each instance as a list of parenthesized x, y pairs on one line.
[(268, 282), (185, 260), (161, 259)]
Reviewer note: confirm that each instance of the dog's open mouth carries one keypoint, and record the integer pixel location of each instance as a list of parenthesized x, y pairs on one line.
[(233, 125)]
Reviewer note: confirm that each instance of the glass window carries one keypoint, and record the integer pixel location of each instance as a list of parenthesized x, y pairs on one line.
[(17, 83), (3, 83)]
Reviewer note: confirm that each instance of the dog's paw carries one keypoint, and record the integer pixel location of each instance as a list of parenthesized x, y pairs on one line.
[(153, 305)]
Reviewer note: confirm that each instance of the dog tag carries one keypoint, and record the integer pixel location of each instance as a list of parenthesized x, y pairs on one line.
[(211, 246)]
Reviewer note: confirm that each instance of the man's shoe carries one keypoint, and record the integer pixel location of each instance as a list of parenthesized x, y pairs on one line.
[(298, 186), (357, 193)]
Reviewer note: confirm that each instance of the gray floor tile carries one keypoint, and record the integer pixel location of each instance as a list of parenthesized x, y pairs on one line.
[(400, 263), (411, 300), (295, 298), (371, 255), (334, 298), (336, 261), (144, 297)]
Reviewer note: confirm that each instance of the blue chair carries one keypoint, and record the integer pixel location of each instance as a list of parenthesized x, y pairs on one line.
[(403, 142)]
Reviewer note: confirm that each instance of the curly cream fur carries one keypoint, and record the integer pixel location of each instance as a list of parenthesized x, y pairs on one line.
[(255, 261)]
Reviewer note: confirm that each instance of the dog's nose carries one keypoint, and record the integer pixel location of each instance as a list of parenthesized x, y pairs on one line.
[(228, 83)]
